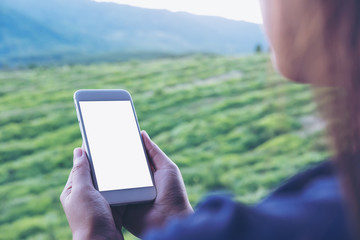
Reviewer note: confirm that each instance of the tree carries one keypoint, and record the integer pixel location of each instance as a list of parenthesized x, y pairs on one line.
[(258, 48)]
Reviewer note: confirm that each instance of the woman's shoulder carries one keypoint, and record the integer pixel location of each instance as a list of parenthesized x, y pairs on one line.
[(302, 180), (310, 204)]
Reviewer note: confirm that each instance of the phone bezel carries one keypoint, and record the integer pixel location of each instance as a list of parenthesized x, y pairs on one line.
[(120, 196)]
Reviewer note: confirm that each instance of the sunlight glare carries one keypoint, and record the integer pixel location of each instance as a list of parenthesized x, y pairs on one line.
[(244, 10)]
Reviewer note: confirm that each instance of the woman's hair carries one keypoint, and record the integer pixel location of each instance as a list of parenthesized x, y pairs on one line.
[(330, 39)]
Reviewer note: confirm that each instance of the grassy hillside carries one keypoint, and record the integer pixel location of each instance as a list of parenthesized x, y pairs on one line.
[(228, 122)]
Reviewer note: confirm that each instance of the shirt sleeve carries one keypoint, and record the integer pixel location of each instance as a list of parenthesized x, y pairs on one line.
[(217, 217), (309, 206)]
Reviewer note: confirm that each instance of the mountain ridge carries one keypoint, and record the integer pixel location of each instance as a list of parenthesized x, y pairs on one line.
[(86, 27)]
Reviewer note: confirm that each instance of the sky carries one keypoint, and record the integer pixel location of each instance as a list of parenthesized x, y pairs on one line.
[(245, 10)]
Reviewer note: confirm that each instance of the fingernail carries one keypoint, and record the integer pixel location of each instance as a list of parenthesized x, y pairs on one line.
[(146, 133), (78, 152)]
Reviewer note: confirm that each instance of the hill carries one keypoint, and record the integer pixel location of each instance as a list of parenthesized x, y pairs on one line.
[(228, 122), (45, 31)]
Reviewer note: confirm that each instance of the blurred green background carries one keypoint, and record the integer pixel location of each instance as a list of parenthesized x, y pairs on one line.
[(229, 123)]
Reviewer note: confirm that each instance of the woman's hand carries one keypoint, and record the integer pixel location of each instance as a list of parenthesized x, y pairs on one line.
[(90, 216), (88, 213), (171, 200)]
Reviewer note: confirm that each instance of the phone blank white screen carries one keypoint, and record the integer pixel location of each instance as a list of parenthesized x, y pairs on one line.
[(115, 146)]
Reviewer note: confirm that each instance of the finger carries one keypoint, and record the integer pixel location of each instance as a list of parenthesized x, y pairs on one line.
[(81, 170), (118, 213), (67, 189), (157, 156)]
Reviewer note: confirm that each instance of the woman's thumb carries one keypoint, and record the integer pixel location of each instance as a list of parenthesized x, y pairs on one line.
[(81, 170)]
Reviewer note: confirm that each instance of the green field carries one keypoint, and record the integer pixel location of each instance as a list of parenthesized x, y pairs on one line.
[(228, 122)]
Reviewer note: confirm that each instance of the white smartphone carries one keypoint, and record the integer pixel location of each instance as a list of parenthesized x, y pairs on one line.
[(111, 135)]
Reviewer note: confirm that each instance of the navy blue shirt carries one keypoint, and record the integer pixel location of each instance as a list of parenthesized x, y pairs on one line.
[(308, 206)]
